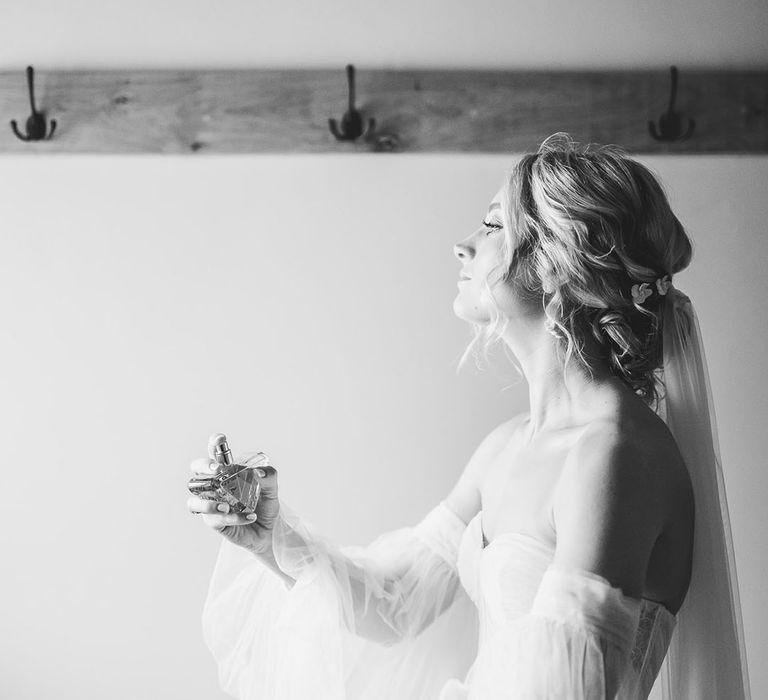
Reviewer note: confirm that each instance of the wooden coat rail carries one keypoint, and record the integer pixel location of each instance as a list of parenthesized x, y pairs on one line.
[(288, 111)]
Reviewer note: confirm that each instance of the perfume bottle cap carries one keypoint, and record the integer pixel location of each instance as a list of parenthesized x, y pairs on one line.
[(218, 449)]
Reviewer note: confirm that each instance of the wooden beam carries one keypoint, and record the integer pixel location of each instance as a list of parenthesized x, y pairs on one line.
[(287, 111)]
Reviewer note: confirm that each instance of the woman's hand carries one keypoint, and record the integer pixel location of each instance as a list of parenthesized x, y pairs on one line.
[(254, 535)]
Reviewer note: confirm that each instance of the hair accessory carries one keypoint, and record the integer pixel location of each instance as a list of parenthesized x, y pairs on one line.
[(663, 284), (640, 292)]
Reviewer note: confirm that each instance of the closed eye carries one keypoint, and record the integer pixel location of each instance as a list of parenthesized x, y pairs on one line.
[(493, 227)]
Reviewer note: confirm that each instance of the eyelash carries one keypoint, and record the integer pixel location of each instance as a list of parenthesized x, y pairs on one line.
[(495, 227)]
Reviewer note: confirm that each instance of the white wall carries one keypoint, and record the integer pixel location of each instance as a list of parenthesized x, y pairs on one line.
[(483, 33), (335, 278)]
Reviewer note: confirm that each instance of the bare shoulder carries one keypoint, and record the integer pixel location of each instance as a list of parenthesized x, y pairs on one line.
[(648, 436), (633, 454), (604, 457), (464, 498), (622, 484)]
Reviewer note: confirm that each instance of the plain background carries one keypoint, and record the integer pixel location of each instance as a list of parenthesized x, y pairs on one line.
[(303, 306)]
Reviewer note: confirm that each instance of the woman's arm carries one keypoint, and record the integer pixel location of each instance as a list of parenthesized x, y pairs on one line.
[(386, 591), (608, 510), (267, 557), (399, 584), (346, 628), (464, 498), (577, 639)]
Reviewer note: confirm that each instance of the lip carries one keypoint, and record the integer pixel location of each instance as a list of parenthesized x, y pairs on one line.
[(464, 278)]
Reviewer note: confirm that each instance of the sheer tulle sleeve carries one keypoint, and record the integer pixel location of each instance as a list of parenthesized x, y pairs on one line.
[(574, 644), (388, 620)]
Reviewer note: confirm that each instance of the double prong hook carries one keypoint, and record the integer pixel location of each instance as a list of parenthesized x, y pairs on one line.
[(36, 124), (352, 121), (670, 123)]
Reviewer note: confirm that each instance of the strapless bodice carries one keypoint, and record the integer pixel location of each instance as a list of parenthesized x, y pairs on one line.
[(502, 580)]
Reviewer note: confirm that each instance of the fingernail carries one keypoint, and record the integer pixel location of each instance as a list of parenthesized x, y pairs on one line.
[(261, 473), (250, 516), (223, 507)]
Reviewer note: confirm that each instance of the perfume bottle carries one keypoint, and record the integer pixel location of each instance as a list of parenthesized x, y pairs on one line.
[(236, 484)]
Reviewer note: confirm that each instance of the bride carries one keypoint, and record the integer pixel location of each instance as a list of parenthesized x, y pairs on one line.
[(585, 550)]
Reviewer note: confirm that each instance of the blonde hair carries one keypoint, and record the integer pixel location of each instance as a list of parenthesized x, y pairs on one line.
[(582, 224)]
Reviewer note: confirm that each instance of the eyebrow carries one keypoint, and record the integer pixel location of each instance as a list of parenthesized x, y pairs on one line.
[(493, 206)]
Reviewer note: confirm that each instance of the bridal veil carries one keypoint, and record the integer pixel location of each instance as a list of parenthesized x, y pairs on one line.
[(707, 656)]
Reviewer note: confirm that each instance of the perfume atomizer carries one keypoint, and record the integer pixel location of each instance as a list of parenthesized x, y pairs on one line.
[(235, 484), (218, 450)]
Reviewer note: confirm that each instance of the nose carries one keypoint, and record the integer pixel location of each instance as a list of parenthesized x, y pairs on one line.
[(465, 250), (462, 251)]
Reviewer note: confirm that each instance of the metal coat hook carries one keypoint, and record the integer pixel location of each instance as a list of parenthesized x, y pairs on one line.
[(671, 123), (352, 121), (36, 124)]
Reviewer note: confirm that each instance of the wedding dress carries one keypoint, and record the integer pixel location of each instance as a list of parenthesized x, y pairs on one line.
[(433, 612), (425, 613)]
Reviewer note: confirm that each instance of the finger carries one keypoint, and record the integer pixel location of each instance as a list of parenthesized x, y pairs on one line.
[(267, 475), (219, 522), (203, 465), (268, 481), (204, 505)]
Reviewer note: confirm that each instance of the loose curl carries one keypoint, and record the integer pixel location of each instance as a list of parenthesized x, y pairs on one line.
[(582, 224)]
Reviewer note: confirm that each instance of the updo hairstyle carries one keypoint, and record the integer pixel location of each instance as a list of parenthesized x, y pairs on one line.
[(582, 225)]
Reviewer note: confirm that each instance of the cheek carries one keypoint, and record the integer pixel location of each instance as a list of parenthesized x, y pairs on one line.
[(492, 271)]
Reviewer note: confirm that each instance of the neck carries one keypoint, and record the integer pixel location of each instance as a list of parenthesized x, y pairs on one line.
[(560, 399)]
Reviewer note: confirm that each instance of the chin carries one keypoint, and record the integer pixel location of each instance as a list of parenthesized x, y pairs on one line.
[(469, 312)]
